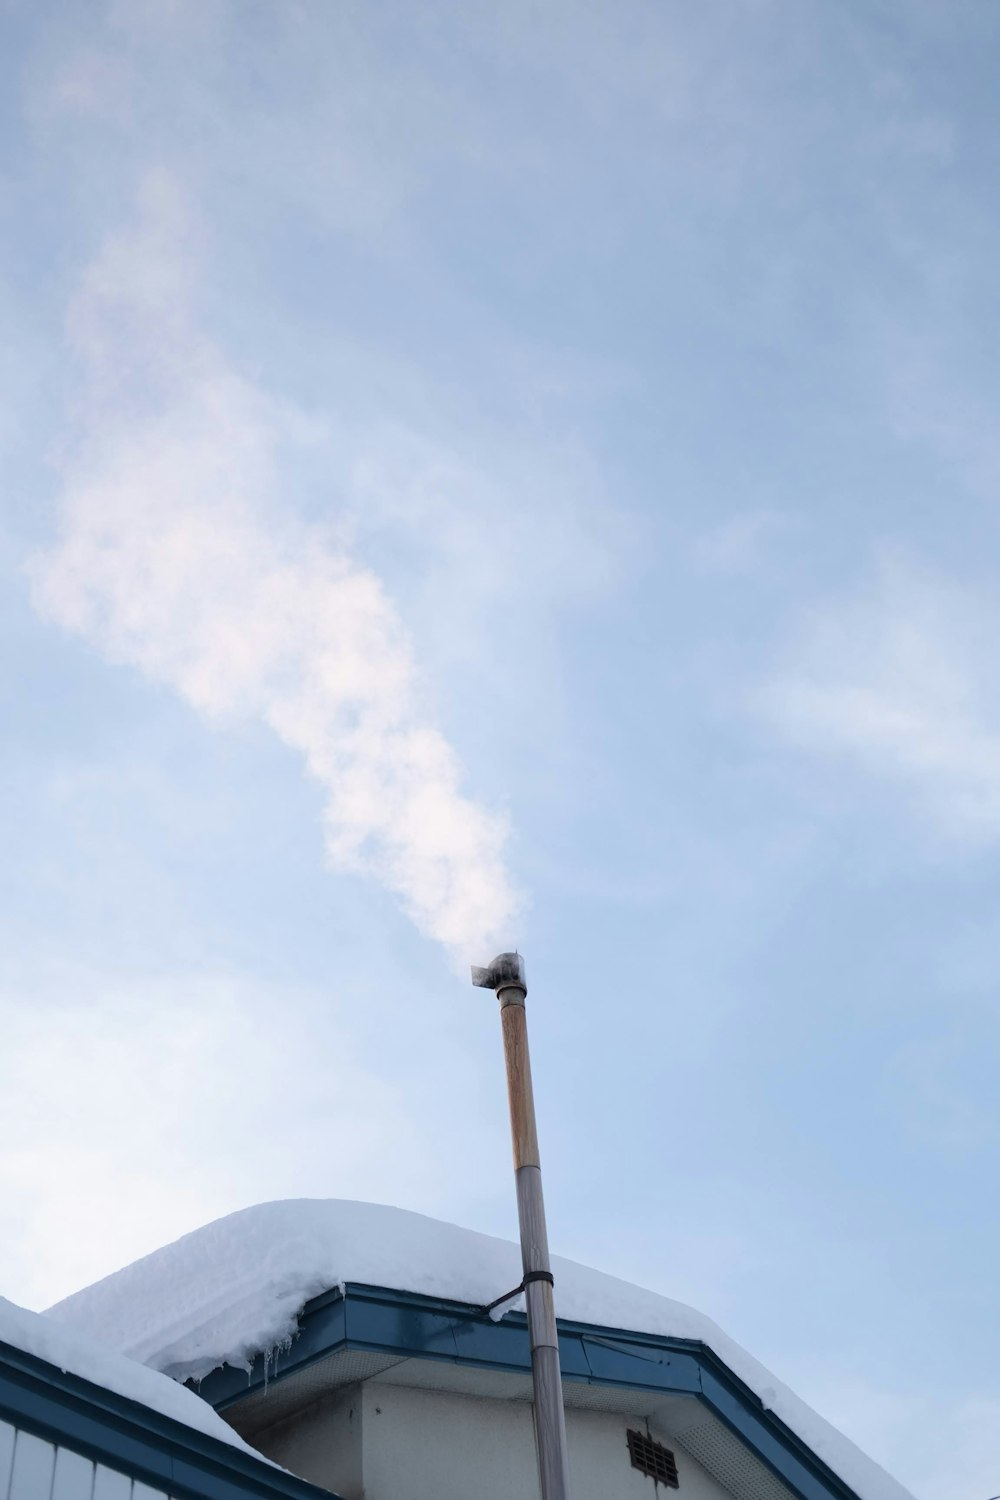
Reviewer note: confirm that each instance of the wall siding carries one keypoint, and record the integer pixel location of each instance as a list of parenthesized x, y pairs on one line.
[(428, 1445), (33, 1469), (393, 1442)]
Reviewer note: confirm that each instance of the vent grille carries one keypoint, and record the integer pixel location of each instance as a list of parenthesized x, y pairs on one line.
[(652, 1458)]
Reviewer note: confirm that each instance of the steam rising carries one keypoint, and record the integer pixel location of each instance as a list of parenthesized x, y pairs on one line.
[(173, 557)]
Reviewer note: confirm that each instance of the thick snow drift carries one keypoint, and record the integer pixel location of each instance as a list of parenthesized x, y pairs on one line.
[(235, 1288), (71, 1350)]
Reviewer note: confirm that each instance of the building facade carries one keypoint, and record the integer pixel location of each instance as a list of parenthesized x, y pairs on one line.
[(386, 1395), (363, 1349)]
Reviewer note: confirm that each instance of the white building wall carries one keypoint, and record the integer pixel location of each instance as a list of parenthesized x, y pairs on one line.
[(394, 1442), (322, 1444), (33, 1469), (429, 1445)]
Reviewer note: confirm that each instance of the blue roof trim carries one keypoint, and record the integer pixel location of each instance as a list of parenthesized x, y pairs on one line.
[(413, 1326), (125, 1435)]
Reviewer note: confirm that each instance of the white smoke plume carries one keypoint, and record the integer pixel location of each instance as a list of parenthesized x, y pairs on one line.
[(174, 556)]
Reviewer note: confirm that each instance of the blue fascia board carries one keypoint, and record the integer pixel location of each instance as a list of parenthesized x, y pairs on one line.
[(72, 1412), (411, 1326)]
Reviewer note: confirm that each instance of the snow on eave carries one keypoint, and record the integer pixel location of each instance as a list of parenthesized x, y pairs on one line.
[(76, 1353), (235, 1288)]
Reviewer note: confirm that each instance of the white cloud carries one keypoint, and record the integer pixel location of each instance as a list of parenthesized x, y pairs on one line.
[(902, 680), (133, 1112), (177, 556)]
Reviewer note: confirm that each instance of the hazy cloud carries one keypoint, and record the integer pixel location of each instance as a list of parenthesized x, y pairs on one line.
[(740, 545), (134, 1111), (901, 678)]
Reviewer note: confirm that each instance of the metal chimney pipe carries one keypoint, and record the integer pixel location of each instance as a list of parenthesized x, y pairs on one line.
[(505, 975)]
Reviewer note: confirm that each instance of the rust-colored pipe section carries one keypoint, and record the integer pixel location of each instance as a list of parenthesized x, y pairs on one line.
[(506, 976)]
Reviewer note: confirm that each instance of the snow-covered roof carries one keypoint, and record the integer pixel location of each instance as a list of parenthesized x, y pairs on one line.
[(75, 1351), (234, 1289)]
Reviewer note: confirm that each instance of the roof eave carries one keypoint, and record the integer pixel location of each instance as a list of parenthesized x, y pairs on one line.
[(413, 1325), (110, 1429)]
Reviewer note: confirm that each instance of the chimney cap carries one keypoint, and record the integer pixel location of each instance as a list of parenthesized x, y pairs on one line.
[(505, 972)]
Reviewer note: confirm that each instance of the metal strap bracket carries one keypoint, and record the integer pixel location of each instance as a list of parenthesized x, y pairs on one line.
[(529, 1276)]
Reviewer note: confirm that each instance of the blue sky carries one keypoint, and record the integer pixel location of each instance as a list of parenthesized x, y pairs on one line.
[(529, 468)]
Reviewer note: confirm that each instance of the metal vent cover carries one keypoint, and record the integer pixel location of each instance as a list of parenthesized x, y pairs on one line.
[(652, 1458)]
